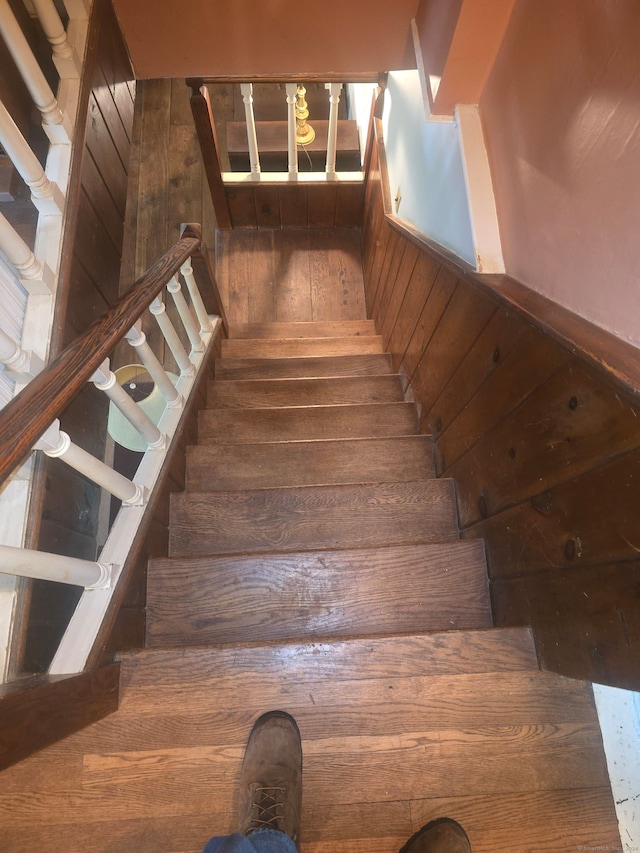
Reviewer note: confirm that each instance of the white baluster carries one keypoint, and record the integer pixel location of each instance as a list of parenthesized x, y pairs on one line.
[(21, 366), (35, 276), (64, 58), (105, 380), (334, 90), (55, 124), (292, 88), (137, 339), (157, 308), (247, 97), (45, 195), (55, 567), (196, 300), (57, 444), (186, 316)]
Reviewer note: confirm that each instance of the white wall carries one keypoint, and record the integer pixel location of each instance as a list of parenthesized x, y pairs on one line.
[(425, 163)]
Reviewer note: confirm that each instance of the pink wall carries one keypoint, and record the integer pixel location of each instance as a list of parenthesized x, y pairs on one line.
[(561, 114), (459, 40), (171, 38)]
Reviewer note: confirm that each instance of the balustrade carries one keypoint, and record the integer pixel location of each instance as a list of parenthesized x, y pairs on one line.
[(300, 135), (32, 420)]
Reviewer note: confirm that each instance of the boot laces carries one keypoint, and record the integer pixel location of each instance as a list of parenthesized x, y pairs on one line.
[(268, 806)]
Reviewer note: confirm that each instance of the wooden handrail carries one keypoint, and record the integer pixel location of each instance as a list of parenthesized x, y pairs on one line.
[(306, 77), (24, 419)]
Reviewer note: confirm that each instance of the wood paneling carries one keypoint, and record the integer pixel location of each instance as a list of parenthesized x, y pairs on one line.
[(284, 206), (536, 417)]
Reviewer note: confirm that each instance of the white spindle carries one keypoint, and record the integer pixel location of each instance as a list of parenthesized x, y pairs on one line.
[(45, 195), (54, 567), (332, 138), (20, 365), (64, 58), (53, 120), (105, 380), (190, 326), (157, 308), (292, 88), (56, 443), (196, 300), (137, 339), (247, 97), (35, 276)]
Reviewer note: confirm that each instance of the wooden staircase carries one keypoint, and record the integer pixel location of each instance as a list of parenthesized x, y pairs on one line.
[(315, 565)]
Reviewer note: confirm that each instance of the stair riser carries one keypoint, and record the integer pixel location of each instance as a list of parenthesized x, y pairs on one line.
[(241, 426), (329, 329), (291, 348), (318, 595), (311, 518), (299, 368), (273, 393), (309, 463)]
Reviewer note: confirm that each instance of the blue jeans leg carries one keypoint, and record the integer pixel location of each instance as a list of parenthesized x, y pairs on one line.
[(260, 841)]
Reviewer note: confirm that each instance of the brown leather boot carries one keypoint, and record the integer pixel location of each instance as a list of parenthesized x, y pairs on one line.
[(271, 777), (440, 836)]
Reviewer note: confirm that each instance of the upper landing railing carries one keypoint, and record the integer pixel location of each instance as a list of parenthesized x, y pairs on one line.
[(288, 137), (31, 421)]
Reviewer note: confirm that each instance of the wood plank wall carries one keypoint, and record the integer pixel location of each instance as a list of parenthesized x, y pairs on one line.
[(543, 442), (90, 269), (286, 206)]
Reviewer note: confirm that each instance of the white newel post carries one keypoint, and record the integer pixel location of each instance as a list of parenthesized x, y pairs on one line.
[(45, 195), (137, 339), (292, 148), (35, 276), (54, 567), (196, 300), (247, 97), (105, 380), (334, 90), (56, 443), (64, 57), (157, 308), (175, 289), (19, 365), (55, 123)]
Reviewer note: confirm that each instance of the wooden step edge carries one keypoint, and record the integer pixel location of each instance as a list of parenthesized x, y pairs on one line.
[(477, 547), (518, 640), (397, 377), (330, 340), (414, 438)]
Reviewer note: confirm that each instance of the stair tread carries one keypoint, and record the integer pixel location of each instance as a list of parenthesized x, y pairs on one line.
[(308, 463), (304, 329), (312, 517), (296, 347), (254, 393), (318, 594), (311, 366), (358, 420)]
